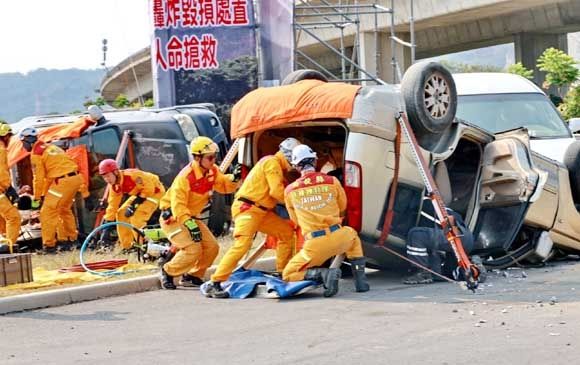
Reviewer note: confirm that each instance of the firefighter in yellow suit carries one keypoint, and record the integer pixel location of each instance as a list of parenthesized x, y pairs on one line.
[(181, 206), (8, 195), (56, 182), (144, 189), (252, 212), (317, 202)]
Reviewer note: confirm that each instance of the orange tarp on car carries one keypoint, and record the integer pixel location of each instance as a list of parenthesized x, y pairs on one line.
[(305, 100), (48, 134)]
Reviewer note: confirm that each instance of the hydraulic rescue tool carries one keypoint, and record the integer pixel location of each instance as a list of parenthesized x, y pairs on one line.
[(468, 270)]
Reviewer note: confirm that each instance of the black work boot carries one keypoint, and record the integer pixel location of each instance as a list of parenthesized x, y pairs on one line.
[(357, 265), (167, 280), (47, 250), (214, 290), (331, 282), (190, 281), (328, 277), (63, 246)]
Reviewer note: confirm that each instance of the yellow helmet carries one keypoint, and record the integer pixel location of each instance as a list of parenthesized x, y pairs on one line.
[(203, 145), (5, 129)]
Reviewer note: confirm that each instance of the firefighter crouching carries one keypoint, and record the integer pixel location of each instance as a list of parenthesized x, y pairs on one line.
[(316, 202), (8, 195), (144, 190), (252, 212), (189, 193), (55, 183)]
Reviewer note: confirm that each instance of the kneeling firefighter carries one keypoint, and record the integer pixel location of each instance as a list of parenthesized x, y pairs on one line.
[(56, 181), (145, 190), (182, 204), (253, 211), (316, 202)]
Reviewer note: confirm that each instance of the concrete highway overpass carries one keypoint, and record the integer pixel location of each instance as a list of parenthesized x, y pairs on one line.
[(441, 27)]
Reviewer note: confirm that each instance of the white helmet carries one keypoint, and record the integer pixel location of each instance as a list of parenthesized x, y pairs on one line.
[(287, 146), (302, 154), (28, 132), (95, 113)]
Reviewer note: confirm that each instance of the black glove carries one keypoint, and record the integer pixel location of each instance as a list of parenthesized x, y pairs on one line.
[(237, 173), (193, 228), (12, 195), (89, 204)]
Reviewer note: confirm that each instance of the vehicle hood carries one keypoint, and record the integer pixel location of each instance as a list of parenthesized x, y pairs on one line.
[(554, 149)]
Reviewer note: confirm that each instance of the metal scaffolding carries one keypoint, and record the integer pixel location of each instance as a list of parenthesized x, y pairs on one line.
[(313, 16)]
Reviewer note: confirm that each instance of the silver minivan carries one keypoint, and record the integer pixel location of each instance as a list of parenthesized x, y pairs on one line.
[(490, 179)]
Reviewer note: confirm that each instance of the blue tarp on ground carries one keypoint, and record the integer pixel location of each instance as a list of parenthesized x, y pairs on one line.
[(243, 283)]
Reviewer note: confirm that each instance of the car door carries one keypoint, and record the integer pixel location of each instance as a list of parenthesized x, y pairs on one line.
[(508, 183)]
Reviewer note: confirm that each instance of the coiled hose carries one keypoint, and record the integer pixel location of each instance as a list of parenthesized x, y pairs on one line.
[(88, 239)]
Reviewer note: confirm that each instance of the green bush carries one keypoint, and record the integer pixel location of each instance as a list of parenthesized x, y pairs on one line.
[(519, 69), (571, 106)]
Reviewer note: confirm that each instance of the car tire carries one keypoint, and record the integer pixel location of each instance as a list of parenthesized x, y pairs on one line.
[(572, 162), (219, 217), (299, 75), (430, 99)]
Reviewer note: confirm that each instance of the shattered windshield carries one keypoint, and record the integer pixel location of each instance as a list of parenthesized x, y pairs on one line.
[(502, 112)]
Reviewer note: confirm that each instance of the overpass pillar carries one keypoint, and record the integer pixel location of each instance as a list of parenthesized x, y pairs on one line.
[(378, 60), (529, 47)]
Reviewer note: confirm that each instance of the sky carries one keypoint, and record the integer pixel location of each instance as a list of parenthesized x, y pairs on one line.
[(61, 34)]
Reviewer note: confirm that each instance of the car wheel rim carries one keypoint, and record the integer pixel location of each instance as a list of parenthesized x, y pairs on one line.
[(437, 96)]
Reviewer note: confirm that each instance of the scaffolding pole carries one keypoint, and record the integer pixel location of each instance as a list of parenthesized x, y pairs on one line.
[(344, 16)]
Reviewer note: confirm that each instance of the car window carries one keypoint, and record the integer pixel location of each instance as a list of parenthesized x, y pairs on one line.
[(105, 143), (161, 157), (501, 112)]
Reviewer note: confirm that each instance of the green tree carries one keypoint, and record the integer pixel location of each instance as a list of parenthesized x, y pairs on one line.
[(571, 106), (3, 121), (519, 69), (149, 103), (121, 101), (560, 68)]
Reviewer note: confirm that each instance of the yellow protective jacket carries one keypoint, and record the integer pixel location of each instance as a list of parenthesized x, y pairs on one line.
[(264, 185), (5, 180), (133, 182), (190, 191), (49, 162), (315, 201)]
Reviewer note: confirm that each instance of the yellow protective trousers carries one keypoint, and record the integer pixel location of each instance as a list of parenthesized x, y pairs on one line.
[(246, 224), (142, 215), (66, 230), (317, 250), (11, 218), (56, 208), (192, 257)]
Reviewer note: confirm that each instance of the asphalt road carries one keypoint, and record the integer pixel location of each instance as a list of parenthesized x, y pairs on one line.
[(519, 319)]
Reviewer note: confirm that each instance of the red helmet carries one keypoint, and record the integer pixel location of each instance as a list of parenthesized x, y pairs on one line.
[(107, 166)]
